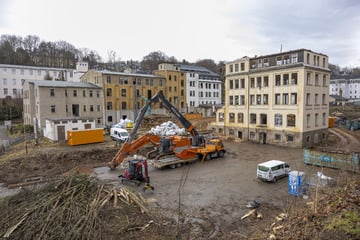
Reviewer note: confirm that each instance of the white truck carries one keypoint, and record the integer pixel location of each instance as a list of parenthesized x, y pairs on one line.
[(119, 134)]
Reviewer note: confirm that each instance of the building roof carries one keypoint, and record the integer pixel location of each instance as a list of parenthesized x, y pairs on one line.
[(338, 97), (130, 74), (52, 83), (35, 67)]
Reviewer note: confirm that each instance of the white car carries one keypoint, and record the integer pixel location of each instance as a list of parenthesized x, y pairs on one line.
[(272, 170)]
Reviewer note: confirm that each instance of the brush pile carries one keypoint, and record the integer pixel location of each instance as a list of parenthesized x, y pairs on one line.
[(76, 207)]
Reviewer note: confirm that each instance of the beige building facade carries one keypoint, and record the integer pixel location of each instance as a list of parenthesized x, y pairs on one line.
[(279, 99), (122, 90), (44, 99)]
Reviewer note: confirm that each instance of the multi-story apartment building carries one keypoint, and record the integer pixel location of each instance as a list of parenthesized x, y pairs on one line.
[(278, 99), (202, 88), (175, 89), (347, 88), (59, 99), (11, 76), (122, 90)]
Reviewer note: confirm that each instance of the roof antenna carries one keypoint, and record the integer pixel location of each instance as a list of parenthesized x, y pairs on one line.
[(281, 48)]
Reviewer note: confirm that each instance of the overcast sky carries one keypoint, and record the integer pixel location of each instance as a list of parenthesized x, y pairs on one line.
[(222, 30)]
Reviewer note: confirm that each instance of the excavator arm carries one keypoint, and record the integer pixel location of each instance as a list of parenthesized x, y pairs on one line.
[(131, 147)]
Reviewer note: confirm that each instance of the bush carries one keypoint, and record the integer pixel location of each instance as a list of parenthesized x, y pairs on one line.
[(19, 128)]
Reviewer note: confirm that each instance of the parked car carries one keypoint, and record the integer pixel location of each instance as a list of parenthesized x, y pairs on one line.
[(272, 170)]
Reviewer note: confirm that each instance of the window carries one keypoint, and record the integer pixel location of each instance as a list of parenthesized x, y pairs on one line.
[(90, 93), (278, 60), (92, 108), (242, 100), (265, 99), (277, 80), (236, 83), (75, 93), (109, 106), (324, 119), (278, 120), (252, 99), (308, 99), (242, 83), (308, 79), (240, 118), (53, 108), (231, 100), (258, 82), (109, 118), (231, 117), (252, 118), (84, 108), (317, 83), (316, 119), (84, 93), (294, 58), (294, 78), (324, 81), (123, 92), (98, 93), (236, 67), (108, 79), (242, 66), (285, 99), (277, 98), (109, 92), (286, 79), (290, 138), (14, 82), (231, 68), (316, 99), (252, 136), (14, 92), (5, 81), (52, 92), (291, 120), (308, 120), (236, 100), (123, 105), (263, 119), (258, 99), (293, 98), (252, 82), (266, 81), (231, 84), (221, 117), (323, 99), (277, 137), (65, 92), (98, 108)]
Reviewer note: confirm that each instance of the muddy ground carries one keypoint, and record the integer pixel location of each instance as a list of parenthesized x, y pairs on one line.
[(207, 198)]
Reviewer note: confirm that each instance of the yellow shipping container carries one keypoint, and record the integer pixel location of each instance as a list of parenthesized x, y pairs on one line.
[(78, 137)]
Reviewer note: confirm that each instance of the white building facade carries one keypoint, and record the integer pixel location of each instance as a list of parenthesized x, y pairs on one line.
[(347, 88), (11, 76)]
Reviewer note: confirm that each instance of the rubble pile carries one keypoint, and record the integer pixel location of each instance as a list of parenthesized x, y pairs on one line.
[(167, 129)]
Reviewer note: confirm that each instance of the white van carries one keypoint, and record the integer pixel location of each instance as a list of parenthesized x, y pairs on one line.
[(272, 170), (119, 134)]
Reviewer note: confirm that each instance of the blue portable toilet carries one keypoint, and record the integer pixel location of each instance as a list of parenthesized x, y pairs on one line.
[(296, 183)]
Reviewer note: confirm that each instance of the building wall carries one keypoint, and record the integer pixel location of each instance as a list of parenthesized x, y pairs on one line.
[(120, 90), (264, 96), (42, 102)]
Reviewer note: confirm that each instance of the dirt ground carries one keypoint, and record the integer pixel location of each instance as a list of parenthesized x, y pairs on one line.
[(207, 199)]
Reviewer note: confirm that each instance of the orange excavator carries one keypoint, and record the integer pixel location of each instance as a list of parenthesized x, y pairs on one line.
[(183, 149)]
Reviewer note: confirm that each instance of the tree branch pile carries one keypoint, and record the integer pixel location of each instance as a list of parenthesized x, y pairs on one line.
[(76, 207)]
